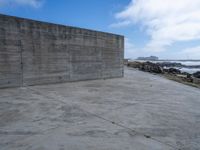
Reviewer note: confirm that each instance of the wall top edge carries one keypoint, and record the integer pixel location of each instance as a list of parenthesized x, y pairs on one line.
[(55, 24)]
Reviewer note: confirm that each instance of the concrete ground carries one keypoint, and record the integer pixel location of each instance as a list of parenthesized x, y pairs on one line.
[(138, 112)]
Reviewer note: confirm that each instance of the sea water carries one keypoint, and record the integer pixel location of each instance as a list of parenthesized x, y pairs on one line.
[(182, 69)]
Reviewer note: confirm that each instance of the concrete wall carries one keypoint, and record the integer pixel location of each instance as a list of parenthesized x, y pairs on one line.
[(33, 52)]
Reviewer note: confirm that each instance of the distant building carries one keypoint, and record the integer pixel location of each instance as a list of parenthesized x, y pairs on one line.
[(152, 58)]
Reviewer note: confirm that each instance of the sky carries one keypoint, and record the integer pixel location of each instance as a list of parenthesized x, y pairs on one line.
[(169, 29)]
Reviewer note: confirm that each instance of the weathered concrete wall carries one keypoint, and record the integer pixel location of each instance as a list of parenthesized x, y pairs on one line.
[(10, 52), (33, 52)]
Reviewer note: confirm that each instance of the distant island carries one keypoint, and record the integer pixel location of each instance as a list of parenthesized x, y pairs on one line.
[(151, 58), (155, 58)]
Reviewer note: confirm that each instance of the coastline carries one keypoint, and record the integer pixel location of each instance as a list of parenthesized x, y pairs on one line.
[(167, 70), (177, 79)]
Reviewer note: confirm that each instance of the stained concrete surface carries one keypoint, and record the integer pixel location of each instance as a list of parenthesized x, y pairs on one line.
[(138, 112), (34, 52)]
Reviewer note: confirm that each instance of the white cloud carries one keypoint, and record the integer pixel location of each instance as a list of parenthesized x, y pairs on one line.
[(191, 53), (32, 3), (166, 22), (130, 50)]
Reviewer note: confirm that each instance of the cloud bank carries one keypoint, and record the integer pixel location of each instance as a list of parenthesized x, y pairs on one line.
[(130, 48), (166, 22), (31, 3)]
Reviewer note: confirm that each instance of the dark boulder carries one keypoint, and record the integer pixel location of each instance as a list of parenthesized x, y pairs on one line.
[(151, 67), (172, 71), (196, 74), (188, 75), (169, 64), (134, 64), (146, 66)]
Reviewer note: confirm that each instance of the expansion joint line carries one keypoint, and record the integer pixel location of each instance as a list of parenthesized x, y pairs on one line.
[(110, 121), (132, 130)]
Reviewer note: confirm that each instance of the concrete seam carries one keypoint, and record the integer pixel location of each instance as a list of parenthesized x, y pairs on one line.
[(132, 130), (112, 122), (21, 63)]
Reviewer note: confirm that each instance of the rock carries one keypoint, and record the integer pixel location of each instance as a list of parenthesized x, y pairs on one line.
[(184, 77), (170, 64), (188, 79), (151, 67), (146, 66), (196, 80), (134, 64), (187, 74), (172, 71), (176, 65), (196, 74)]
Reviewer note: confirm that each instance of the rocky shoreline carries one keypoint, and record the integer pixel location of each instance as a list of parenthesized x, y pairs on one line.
[(178, 65), (169, 70)]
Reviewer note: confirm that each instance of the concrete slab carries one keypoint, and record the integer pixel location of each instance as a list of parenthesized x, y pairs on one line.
[(138, 112)]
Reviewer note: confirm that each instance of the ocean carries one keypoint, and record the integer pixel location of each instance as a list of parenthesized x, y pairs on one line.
[(183, 69), (189, 70), (188, 63)]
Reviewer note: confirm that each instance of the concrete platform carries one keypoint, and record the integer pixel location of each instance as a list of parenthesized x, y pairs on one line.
[(138, 112)]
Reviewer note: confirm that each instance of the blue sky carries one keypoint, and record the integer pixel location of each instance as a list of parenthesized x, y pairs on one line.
[(168, 29)]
